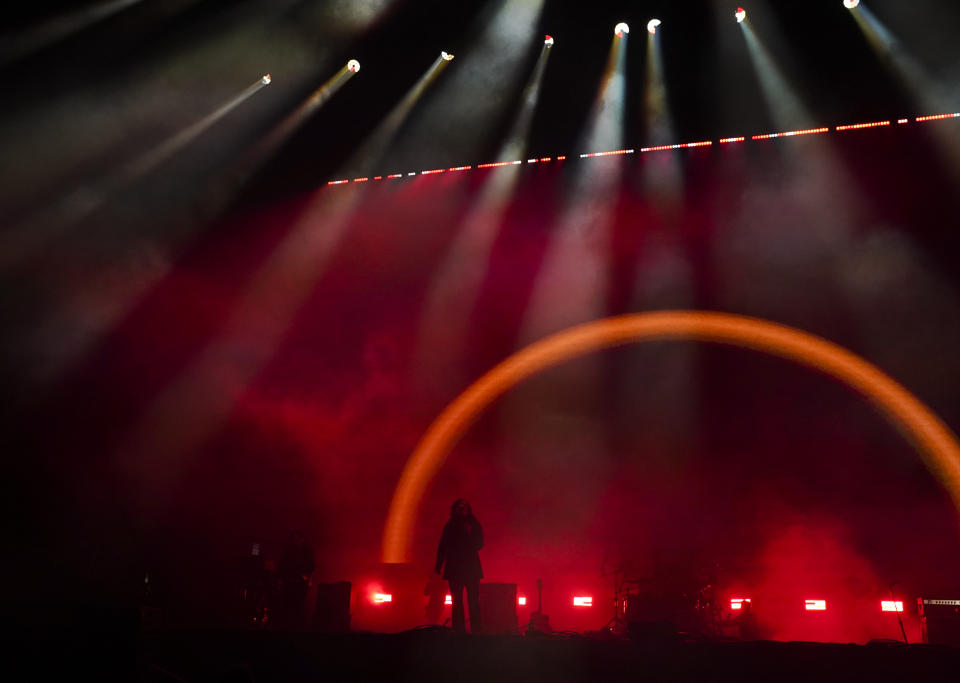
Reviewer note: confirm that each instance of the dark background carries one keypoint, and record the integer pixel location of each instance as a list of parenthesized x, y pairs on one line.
[(206, 360)]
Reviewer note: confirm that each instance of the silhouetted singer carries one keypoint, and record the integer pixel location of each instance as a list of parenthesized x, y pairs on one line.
[(459, 559)]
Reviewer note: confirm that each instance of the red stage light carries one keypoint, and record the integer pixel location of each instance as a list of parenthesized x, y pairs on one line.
[(737, 603), (583, 601), (448, 600), (548, 40), (724, 141), (381, 598), (891, 605), (815, 605), (521, 601)]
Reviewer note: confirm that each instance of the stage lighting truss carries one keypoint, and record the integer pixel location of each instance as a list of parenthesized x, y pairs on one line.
[(621, 29), (660, 148), (653, 25), (740, 14)]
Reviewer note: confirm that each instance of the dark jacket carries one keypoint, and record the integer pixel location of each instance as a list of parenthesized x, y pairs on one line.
[(458, 553)]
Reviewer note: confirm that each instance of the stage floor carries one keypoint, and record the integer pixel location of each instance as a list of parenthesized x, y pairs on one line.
[(442, 656)]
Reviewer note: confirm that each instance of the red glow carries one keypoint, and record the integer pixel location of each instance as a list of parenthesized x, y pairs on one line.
[(737, 603), (448, 600), (521, 600), (381, 598), (360, 180), (583, 601), (815, 605), (432, 171), (891, 605), (725, 141)]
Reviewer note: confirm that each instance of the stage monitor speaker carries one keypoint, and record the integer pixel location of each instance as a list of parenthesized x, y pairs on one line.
[(498, 607), (332, 614), (940, 621)]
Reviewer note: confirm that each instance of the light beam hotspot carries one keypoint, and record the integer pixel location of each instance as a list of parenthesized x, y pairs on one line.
[(653, 25), (935, 442), (621, 29)]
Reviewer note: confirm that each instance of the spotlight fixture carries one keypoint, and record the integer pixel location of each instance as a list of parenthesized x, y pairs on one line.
[(266, 79), (741, 15), (353, 65), (621, 29), (446, 55), (850, 4), (548, 40), (653, 25)]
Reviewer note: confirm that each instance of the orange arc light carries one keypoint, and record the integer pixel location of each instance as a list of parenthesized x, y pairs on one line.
[(929, 435)]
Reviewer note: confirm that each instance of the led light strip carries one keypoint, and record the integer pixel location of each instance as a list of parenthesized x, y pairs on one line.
[(663, 148), (615, 152), (645, 150), (791, 133), (858, 126), (937, 117)]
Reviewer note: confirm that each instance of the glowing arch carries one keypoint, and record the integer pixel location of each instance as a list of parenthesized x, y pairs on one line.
[(936, 443)]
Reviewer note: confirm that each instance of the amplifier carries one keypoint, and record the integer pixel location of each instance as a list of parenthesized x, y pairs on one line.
[(939, 621), (498, 607)]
